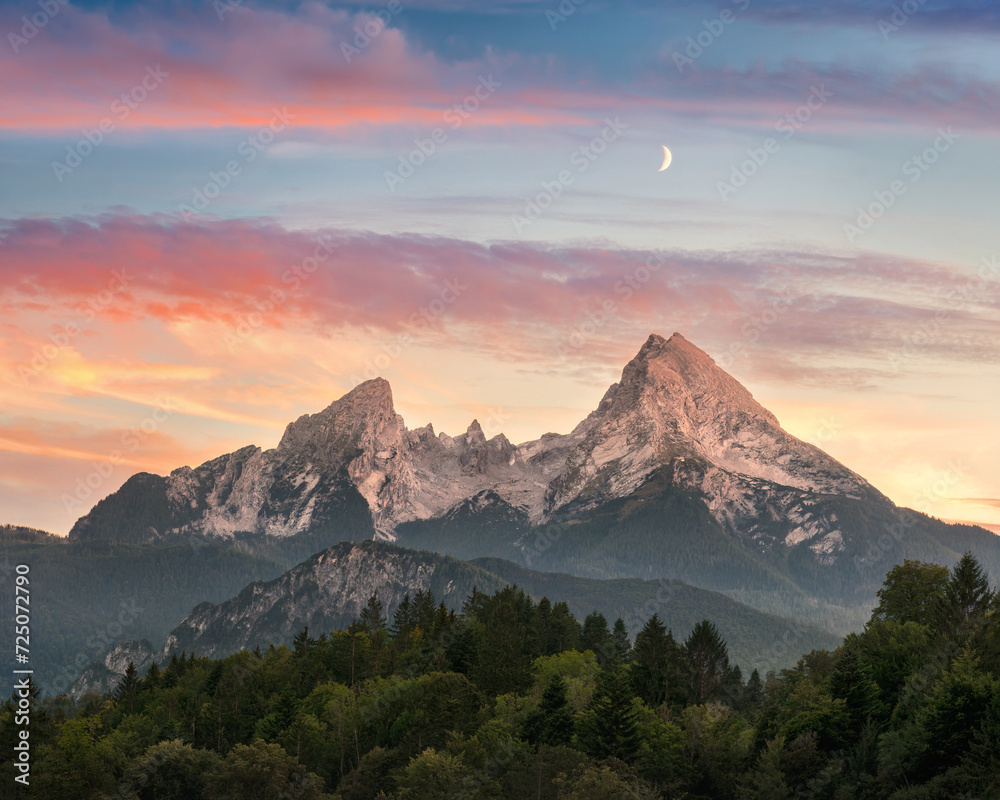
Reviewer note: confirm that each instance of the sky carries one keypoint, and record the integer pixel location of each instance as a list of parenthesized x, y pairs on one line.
[(218, 216)]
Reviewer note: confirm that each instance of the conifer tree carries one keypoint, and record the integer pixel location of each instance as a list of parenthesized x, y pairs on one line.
[(597, 637), (753, 694), (852, 682), (707, 661), (552, 723), (651, 660), (968, 593), (619, 635), (608, 727), (402, 622), (128, 688)]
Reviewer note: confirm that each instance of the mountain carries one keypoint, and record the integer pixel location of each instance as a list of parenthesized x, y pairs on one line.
[(89, 596), (678, 473), (328, 591)]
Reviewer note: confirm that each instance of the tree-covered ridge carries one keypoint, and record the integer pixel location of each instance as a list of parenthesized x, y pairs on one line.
[(87, 596), (512, 698)]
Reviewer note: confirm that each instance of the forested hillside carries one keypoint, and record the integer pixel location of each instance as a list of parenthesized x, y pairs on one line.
[(516, 699), (88, 595)]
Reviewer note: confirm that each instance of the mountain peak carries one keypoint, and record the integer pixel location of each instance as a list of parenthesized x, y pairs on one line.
[(475, 431), (376, 387), (658, 347), (363, 414)]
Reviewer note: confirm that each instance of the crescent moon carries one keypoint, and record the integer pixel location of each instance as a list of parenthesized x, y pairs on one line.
[(667, 158)]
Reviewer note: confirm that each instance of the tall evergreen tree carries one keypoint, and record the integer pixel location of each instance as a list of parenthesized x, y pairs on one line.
[(402, 622), (651, 660), (708, 662), (619, 635), (128, 688), (565, 629), (851, 681), (424, 610), (608, 727), (753, 694), (552, 723), (597, 637), (372, 621), (153, 675), (302, 644), (968, 593)]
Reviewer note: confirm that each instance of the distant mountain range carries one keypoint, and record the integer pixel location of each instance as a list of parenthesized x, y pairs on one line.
[(328, 591), (672, 406), (678, 474)]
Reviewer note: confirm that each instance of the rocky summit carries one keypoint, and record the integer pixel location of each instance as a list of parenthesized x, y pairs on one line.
[(678, 473), (672, 403)]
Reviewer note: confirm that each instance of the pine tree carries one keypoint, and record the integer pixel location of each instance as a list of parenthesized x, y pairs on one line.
[(302, 644), (851, 681), (651, 660), (619, 635), (424, 611), (766, 780), (552, 723), (153, 675), (128, 688), (968, 593), (753, 694), (372, 620), (565, 629), (402, 622), (707, 660), (609, 727), (597, 638)]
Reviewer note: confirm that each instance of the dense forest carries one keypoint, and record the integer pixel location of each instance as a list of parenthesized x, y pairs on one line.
[(516, 699)]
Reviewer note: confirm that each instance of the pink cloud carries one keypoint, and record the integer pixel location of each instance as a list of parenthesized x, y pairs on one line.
[(201, 73), (180, 73), (532, 298)]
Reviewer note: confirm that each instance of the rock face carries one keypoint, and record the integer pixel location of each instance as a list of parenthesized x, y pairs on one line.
[(355, 465), (328, 591), (674, 402), (325, 592), (104, 676)]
